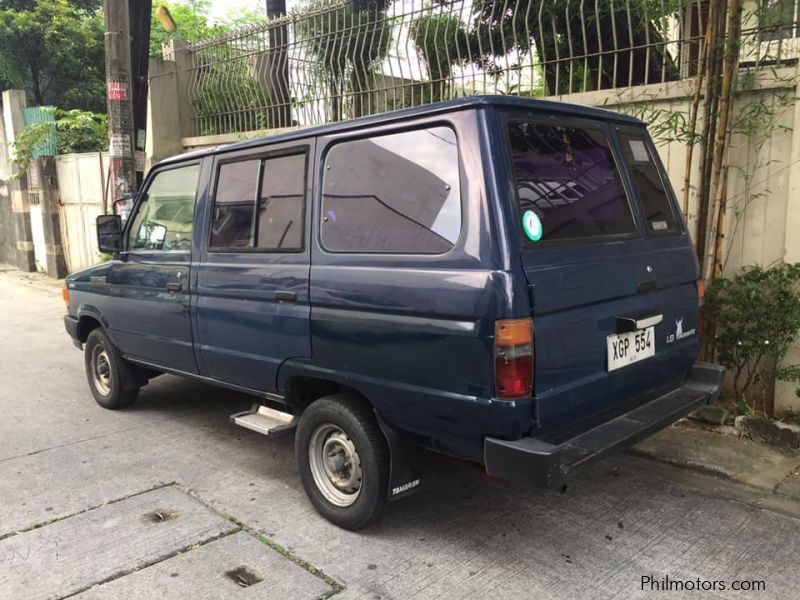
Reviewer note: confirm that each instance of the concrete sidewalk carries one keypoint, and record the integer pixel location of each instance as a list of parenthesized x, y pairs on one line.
[(729, 456), (38, 282), (168, 500)]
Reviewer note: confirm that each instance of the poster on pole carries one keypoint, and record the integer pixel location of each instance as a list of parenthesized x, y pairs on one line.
[(120, 146)]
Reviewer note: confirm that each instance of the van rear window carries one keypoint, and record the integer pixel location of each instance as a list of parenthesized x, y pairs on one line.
[(568, 185), (649, 185)]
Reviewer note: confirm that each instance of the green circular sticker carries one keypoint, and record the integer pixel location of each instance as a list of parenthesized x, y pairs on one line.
[(532, 225)]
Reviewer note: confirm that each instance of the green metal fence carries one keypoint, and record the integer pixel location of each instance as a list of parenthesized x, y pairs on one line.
[(42, 114), (346, 58)]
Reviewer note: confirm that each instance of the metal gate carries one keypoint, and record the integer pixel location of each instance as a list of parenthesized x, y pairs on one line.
[(82, 190)]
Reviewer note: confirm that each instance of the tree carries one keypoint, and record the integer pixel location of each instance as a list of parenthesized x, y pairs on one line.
[(236, 18), (437, 38), (278, 58), (347, 42), (613, 45), (192, 22), (53, 49)]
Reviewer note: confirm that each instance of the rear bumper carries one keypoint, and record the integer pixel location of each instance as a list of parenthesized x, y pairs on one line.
[(550, 465)]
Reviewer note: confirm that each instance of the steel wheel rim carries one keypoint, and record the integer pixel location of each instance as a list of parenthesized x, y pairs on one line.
[(101, 370), (335, 465)]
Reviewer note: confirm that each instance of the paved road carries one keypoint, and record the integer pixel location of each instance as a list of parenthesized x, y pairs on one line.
[(168, 500)]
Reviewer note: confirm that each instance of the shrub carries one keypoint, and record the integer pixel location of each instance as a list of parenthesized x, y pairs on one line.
[(753, 318), (81, 131), (227, 99), (76, 131)]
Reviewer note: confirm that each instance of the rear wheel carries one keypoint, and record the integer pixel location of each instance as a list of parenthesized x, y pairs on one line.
[(109, 377), (343, 460)]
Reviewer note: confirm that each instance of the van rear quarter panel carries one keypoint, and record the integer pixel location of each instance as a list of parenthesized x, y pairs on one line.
[(414, 333)]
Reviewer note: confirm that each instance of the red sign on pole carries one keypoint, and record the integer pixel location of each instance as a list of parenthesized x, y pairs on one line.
[(117, 90)]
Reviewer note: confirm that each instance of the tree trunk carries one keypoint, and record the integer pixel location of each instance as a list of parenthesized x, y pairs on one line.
[(713, 71), (717, 192), (698, 91), (36, 86)]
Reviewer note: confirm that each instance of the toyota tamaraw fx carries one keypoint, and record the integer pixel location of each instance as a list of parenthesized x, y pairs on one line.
[(505, 280)]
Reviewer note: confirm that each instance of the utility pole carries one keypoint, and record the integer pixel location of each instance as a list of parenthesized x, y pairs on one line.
[(139, 13), (122, 170)]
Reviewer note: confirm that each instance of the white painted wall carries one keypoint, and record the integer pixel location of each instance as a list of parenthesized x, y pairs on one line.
[(81, 182), (763, 212)]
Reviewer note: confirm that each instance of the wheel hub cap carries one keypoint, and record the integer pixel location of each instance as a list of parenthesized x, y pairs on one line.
[(335, 465), (101, 371)]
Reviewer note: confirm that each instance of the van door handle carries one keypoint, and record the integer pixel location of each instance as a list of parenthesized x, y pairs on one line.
[(646, 286), (635, 322), (174, 287), (282, 296)]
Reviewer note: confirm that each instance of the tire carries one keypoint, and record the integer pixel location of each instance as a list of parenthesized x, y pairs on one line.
[(343, 429), (110, 377)]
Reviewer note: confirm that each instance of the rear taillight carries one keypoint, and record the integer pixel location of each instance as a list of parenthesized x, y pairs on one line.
[(65, 295), (513, 358), (701, 300)]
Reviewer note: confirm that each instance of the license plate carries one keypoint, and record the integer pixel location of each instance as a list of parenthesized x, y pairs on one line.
[(627, 348)]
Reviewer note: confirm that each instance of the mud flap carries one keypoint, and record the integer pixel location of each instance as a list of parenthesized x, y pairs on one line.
[(404, 477)]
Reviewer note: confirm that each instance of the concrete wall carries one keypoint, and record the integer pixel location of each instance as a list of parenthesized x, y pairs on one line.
[(30, 230), (763, 212), (8, 238), (758, 182), (16, 184), (764, 166)]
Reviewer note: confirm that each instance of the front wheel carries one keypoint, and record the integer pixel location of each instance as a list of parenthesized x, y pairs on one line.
[(343, 460), (109, 376)]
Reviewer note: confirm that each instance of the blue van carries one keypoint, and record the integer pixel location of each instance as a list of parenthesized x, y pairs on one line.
[(505, 280)]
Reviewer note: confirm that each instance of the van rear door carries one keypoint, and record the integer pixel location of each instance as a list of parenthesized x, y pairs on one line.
[(610, 266)]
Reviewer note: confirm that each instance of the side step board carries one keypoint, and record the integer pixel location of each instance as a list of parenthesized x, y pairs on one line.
[(265, 420)]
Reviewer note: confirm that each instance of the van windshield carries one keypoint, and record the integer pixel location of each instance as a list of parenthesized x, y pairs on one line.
[(568, 185)]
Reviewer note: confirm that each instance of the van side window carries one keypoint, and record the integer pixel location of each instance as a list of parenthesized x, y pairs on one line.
[(269, 218), (164, 217), (281, 204), (393, 193), (234, 202), (567, 182), (649, 185)]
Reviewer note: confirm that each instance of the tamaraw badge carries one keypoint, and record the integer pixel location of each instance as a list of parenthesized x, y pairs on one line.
[(532, 225)]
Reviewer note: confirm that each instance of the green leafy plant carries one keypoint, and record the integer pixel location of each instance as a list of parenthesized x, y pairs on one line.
[(347, 42), (192, 20), (754, 317), (76, 131), (53, 49), (227, 99), (81, 131), (28, 141)]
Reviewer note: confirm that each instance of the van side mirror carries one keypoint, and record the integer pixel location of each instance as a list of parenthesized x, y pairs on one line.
[(124, 206), (109, 233)]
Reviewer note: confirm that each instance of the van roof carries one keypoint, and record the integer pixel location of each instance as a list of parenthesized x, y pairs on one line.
[(553, 106)]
